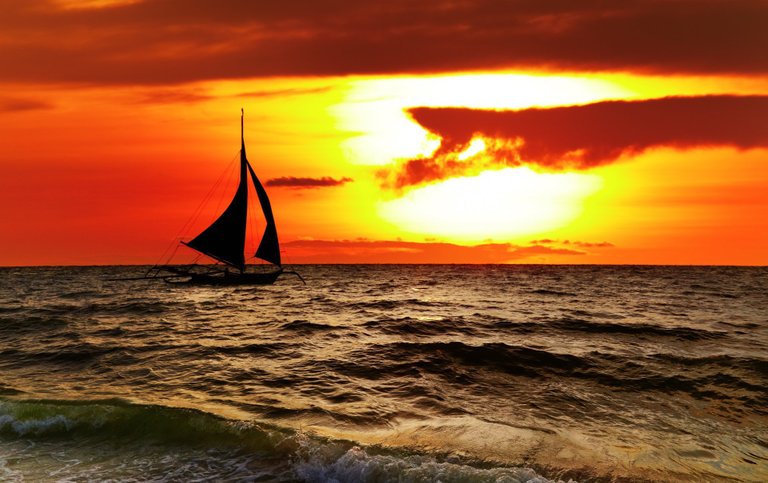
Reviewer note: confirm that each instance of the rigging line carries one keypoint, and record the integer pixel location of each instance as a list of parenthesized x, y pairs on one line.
[(172, 254), (157, 267), (230, 173), (288, 259), (196, 214), (193, 218), (159, 261)]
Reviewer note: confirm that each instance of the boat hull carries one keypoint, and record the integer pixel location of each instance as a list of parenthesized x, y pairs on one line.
[(225, 278)]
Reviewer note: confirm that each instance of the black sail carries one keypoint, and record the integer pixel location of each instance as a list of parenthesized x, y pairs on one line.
[(269, 248), (224, 240)]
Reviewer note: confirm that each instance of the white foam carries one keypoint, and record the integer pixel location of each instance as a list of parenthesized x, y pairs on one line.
[(7, 474), (35, 426), (357, 465)]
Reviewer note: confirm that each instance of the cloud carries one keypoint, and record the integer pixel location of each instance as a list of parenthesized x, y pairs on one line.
[(307, 183), (14, 104), (578, 137), (178, 95), (370, 251), (581, 244), (173, 96), (174, 41), (286, 92)]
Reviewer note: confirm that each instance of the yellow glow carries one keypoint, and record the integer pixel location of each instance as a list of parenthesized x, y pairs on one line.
[(502, 204), (375, 107), (476, 146), (665, 206)]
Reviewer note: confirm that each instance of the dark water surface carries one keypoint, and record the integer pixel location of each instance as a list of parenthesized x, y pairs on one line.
[(387, 373)]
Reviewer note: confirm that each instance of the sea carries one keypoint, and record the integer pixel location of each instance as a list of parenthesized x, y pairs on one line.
[(387, 373)]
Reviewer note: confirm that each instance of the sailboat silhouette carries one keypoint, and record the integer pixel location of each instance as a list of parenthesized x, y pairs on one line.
[(224, 240)]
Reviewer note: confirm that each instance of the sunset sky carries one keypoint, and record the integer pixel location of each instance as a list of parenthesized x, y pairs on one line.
[(467, 131)]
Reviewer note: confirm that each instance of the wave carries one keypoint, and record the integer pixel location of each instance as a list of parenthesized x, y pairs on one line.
[(586, 326), (150, 442), (306, 326), (556, 293), (519, 360), (260, 349), (386, 304), (415, 326), (705, 379), (58, 316), (20, 324), (129, 307), (758, 366), (79, 354), (686, 333), (356, 464), (8, 390), (115, 419)]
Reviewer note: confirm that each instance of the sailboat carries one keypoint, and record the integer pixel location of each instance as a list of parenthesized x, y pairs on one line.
[(224, 241)]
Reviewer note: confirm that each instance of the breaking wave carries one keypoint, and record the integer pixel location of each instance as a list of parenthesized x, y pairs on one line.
[(157, 442)]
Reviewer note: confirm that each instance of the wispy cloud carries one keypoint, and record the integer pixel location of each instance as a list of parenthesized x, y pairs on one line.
[(578, 137), (286, 92), (172, 96), (581, 244), (188, 95), (395, 251), (307, 183), (14, 104)]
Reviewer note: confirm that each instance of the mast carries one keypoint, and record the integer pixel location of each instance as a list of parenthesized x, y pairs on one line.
[(224, 239)]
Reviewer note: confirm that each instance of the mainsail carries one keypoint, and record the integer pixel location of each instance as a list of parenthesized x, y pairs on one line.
[(224, 240)]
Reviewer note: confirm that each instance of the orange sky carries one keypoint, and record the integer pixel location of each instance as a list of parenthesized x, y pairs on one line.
[(451, 132)]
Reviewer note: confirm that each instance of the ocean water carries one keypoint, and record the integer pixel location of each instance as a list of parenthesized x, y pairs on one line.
[(387, 373)]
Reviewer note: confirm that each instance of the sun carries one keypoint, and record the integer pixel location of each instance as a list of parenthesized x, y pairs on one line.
[(499, 205)]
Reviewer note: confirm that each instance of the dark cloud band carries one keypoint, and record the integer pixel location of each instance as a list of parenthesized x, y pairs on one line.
[(580, 137), (173, 41)]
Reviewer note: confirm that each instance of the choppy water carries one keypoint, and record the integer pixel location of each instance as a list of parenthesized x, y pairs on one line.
[(387, 373)]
